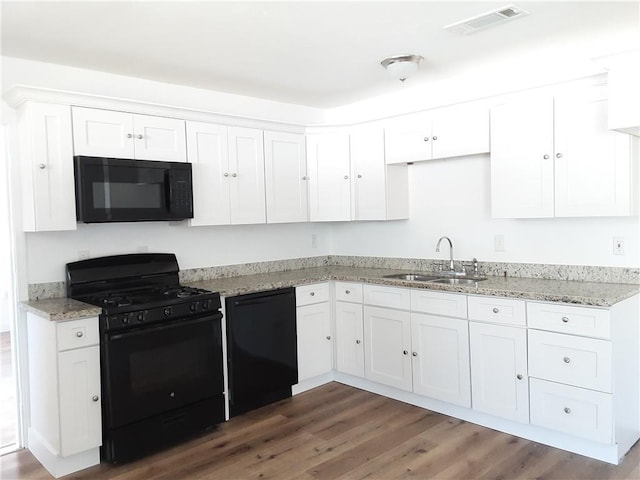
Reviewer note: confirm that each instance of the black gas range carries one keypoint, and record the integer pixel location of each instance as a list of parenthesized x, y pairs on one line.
[(160, 351)]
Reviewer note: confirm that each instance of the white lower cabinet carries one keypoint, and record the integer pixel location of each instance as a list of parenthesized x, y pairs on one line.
[(440, 353), (499, 370), (65, 430), (387, 338), (349, 329), (313, 323)]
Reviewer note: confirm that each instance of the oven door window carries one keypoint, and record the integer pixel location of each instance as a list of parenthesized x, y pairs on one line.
[(156, 369), (122, 190)]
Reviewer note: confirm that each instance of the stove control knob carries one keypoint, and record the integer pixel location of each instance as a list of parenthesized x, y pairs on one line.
[(168, 311), (140, 317), (193, 307), (206, 304), (125, 319)]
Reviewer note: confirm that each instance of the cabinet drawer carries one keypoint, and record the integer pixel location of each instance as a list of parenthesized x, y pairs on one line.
[(582, 362), (575, 411), (497, 310), (438, 303), (389, 297), (77, 333), (349, 292), (591, 322), (310, 294)]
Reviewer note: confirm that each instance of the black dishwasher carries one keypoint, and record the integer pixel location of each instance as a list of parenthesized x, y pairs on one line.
[(261, 348)]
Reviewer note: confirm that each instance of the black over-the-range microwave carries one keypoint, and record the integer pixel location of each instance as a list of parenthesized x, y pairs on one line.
[(119, 190)]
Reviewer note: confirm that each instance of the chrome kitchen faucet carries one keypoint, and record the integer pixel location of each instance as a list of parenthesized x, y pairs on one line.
[(450, 251)]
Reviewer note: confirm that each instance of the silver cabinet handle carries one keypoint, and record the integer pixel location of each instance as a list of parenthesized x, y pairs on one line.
[(405, 352), (426, 139), (139, 136), (519, 377), (129, 135), (328, 337), (95, 398), (359, 175), (79, 334), (346, 177), (558, 155), (312, 294), (226, 174), (415, 354), (496, 310), (546, 157), (358, 342), (567, 410), (42, 166), (435, 137), (565, 319), (234, 175), (566, 360)]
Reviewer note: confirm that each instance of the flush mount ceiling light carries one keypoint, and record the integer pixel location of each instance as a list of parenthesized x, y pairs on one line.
[(402, 66)]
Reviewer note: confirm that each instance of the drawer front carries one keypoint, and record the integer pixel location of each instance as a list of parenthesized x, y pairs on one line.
[(388, 297), (77, 333), (582, 362), (591, 322), (497, 310), (438, 303), (310, 294), (349, 292), (575, 411)]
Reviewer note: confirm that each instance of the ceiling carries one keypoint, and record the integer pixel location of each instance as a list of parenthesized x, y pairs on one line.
[(320, 54)]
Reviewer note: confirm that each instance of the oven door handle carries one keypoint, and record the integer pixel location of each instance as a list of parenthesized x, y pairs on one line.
[(162, 326)]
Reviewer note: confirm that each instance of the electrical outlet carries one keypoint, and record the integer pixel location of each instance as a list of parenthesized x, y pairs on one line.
[(618, 245), (498, 243), (83, 254)]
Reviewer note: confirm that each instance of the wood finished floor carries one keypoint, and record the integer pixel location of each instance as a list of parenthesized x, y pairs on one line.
[(336, 431)]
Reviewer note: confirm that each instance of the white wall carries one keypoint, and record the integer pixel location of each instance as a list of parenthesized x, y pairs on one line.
[(452, 197)]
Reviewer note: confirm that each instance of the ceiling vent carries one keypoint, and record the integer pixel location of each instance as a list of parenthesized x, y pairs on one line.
[(485, 20)]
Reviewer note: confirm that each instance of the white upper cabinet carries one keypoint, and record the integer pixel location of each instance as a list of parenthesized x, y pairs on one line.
[(286, 181), (246, 172), (46, 170), (106, 133), (557, 158), (328, 171), (208, 153), (443, 133), (379, 192)]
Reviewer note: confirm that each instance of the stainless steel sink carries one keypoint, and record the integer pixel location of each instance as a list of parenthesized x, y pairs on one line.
[(412, 277), (458, 281)]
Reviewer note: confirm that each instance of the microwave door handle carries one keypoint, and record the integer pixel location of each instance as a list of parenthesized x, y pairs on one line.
[(169, 190)]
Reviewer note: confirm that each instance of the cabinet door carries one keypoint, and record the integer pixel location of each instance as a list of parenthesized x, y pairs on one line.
[(103, 133), (315, 350), (368, 172), (460, 130), (159, 138), (440, 358), (329, 184), (349, 338), (80, 411), (592, 164), (387, 337), (409, 139), (499, 370), (285, 177), (47, 167), (208, 153), (522, 172), (246, 166)]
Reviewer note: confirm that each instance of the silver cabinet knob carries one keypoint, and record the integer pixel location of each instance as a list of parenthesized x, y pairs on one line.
[(226, 174), (95, 398), (405, 352), (358, 342), (546, 157), (79, 334), (415, 354), (359, 175), (328, 337), (347, 292), (139, 136), (42, 166), (558, 155), (567, 410), (312, 294), (426, 139), (305, 178), (519, 377), (435, 137), (234, 175), (129, 135), (496, 310), (565, 319), (566, 360), (346, 177)]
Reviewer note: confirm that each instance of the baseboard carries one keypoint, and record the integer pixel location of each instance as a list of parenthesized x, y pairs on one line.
[(56, 465)]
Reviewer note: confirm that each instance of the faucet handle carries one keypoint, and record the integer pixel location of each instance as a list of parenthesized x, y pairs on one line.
[(474, 264)]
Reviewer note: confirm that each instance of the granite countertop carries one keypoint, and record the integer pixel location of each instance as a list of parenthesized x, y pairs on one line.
[(579, 293)]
